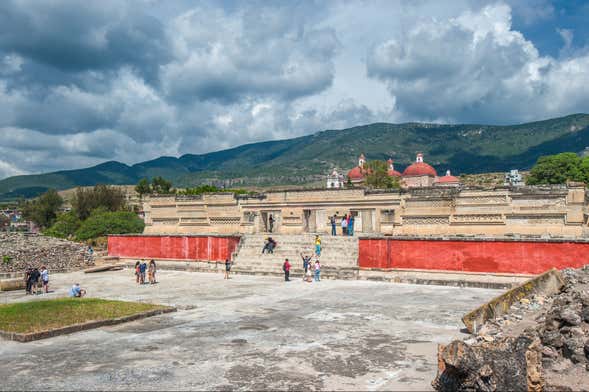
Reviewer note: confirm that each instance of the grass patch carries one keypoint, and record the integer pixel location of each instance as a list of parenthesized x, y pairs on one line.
[(37, 316)]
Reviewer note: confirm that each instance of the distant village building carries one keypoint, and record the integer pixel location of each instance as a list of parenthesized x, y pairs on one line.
[(513, 178), (417, 175), (335, 180)]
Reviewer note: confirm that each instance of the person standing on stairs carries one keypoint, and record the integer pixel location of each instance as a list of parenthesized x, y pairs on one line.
[(306, 264), (344, 226), (286, 269), (333, 221), (271, 223), (317, 246), (317, 270)]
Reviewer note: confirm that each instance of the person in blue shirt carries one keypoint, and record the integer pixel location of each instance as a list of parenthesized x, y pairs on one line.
[(76, 291), (142, 270)]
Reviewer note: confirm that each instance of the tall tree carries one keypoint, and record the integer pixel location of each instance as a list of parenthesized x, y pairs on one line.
[(143, 187), (105, 197), (558, 169), (377, 176), (161, 186), (43, 210)]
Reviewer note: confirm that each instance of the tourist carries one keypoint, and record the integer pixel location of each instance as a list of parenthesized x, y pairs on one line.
[(142, 270), (351, 225), (90, 250), (137, 271), (227, 268), (271, 222), (269, 245), (28, 282), (76, 291), (344, 225), (150, 273), (45, 279), (306, 263), (286, 269), (153, 270), (332, 220), (317, 270), (34, 280), (317, 246), (309, 274)]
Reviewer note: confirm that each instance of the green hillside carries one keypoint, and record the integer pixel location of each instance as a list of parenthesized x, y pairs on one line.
[(467, 148)]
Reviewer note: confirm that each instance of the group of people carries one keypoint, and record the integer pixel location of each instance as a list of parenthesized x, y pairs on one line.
[(269, 245), (32, 278), (141, 269), (347, 224), (312, 271)]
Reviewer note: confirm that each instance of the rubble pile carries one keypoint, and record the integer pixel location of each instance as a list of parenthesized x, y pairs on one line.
[(542, 343), (19, 251)]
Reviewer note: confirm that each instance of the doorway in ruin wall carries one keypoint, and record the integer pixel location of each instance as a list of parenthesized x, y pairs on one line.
[(267, 227), (309, 221), (367, 221)]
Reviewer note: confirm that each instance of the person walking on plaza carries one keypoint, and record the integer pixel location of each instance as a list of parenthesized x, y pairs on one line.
[(317, 246), (153, 269), (351, 225), (45, 279), (317, 271), (333, 222), (227, 268), (286, 269), (34, 280), (137, 271), (28, 272), (142, 270), (344, 226)]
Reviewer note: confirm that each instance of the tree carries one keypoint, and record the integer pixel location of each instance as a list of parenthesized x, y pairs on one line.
[(101, 196), (102, 223), (377, 176), (143, 187), (558, 169), (65, 226), (43, 210), (161, 186)]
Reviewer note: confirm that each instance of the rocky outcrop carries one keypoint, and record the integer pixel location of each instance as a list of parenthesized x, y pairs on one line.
[(19, 251), (542, 343)]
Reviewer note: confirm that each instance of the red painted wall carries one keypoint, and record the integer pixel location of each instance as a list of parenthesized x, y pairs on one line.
[(205, 248), (472, 256)]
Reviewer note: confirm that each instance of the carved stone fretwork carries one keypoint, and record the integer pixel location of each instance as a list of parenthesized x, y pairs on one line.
[(164, 221), (482, 219), (481, 200), (387, 217), (224, 220), (426, 220)]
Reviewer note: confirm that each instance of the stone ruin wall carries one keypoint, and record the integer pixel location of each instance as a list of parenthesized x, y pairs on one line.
[(537, 211)]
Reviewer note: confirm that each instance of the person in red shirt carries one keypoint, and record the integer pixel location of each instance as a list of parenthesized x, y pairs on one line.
[(286, 269)]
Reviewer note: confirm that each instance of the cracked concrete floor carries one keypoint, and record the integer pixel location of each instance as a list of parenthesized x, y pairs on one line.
[(248, 333)]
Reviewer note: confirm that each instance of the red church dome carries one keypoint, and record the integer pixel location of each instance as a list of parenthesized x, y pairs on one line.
[(420, 168), (448, 179), (356, 173)]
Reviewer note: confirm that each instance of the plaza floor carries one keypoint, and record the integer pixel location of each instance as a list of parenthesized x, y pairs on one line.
[(247, 333)]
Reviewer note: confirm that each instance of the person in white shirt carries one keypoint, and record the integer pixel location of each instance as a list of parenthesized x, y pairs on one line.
[(344, 226), (45, 279)]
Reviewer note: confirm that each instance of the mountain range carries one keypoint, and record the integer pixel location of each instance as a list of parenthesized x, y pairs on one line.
[(463, 148)]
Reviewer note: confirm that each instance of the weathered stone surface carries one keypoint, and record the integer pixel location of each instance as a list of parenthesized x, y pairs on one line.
[(33, 250)]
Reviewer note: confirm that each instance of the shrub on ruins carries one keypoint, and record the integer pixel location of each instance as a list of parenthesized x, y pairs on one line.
[(102, 223), (85, 200), (161, 186), (143, 187), (43, 210), (558, 169), (199, 190), (65, 226), (377, 176)]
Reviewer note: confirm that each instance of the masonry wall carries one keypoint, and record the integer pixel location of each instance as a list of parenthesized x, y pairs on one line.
[(173, 247), (494, 256)]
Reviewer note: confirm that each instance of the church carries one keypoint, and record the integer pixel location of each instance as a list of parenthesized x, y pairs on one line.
[(418, 174)]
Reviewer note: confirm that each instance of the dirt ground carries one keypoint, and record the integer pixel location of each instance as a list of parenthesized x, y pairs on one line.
[(247, 333)]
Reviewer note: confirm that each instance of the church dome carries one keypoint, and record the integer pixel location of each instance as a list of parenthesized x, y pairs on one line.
[(394, 173), (420, 168), (448, 179), (356, 173)]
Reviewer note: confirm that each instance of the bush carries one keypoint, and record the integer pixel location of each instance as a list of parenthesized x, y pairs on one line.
[(86, 200), (43, 210), (6, 259), (558, 169), (65, 226), (102, 223)]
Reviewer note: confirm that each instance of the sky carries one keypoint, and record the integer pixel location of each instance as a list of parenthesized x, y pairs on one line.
[(83, 82)]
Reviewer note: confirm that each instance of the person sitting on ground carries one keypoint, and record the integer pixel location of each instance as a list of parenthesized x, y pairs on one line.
[(45, 279), (76, 291), (227, 268), (269, 245), (153, 268), (90, 250)]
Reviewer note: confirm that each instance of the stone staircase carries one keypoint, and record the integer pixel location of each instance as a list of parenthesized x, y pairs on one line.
[(339, 255)]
